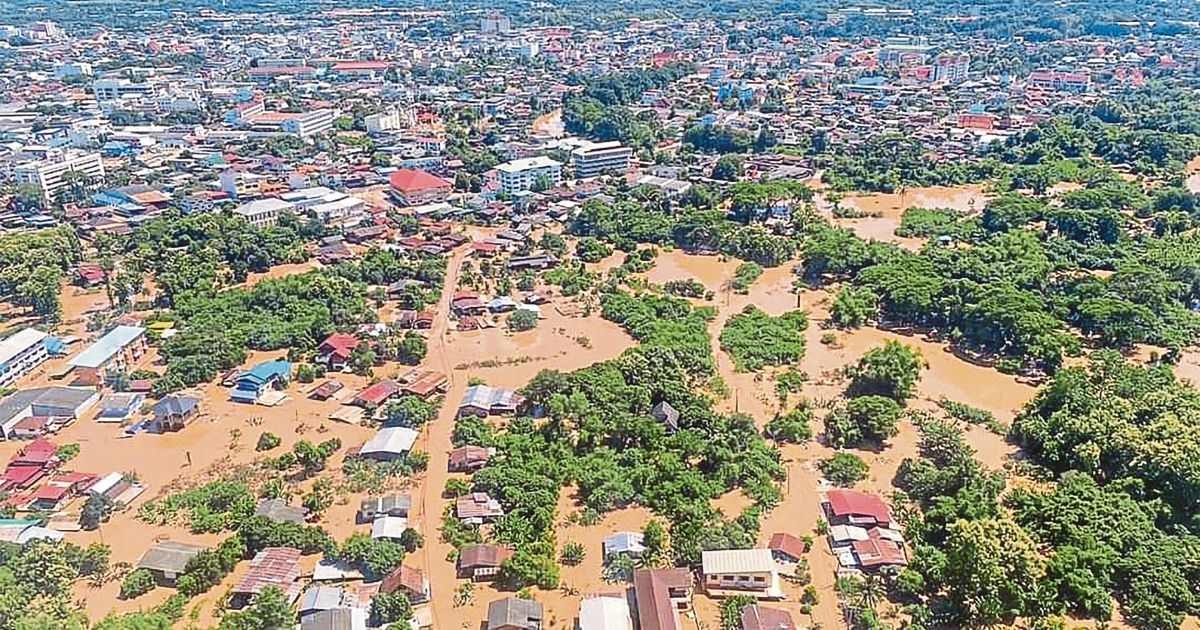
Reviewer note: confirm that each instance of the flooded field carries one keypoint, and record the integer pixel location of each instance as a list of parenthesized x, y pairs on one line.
[(884, 210)]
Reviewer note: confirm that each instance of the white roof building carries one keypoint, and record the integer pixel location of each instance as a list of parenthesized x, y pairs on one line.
[(605, 612), (391, 441)]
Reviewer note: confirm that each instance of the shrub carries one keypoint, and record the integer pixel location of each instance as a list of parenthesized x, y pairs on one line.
[(267, 441), (137, 583), (891, 370), (791, 427), (844, 469), (572, 553), (522, 320)]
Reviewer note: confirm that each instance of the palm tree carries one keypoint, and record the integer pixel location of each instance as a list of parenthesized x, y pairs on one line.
[(871, 592)]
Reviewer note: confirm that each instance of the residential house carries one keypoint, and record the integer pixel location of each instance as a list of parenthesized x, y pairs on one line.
[(387, 505), (659, 595), (482, 401), (277, 567), (535, 262), (389, 443), (667, 416), (118, 406), (851, 507), (325, 598), (278, 511), (605, 612), (112, 353), (477, 508), (755, 617), (741, 571), (166, 560), (375, 395), (469, 458), (389, 527), (336, 619), (424, 384), (408, 581), (253, 383), (512, 613), (624, 544), (334, 353), (326, 390), (174, 412), (481, 562), (787, 548)]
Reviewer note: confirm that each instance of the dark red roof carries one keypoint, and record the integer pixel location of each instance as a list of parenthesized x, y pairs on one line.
[(878, 552), (788, 544), (852, 503), (378, 392), (413, 180), (339, 344)]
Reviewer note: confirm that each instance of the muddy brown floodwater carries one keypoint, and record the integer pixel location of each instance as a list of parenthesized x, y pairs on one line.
[(567, 338), (885, 209)]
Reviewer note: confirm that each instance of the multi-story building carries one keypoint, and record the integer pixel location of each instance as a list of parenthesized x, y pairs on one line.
[(309, 123), (53, 173), (951, 68), (522, 175), (263, 212), (495, 22), (414, 187), (601, 158), (112, 353), (112, 94), (397, 118), (20, 353)]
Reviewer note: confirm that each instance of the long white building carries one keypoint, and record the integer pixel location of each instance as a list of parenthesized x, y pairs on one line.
[(599, 158), (20, 353), (522, 175), (47, 175)]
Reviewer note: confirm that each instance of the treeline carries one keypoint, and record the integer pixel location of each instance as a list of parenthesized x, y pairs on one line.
[(1114, 516), (32, 266), (1032, 277)]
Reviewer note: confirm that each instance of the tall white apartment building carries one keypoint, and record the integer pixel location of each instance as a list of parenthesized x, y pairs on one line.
[(397, 118), (599, 158), (48, 174), (522, 175)]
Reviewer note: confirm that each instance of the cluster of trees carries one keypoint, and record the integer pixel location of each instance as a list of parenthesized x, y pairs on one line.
[(756, 340), (1111, 133), (36, 579), (295, 312), (880, 384), (1025, 290), (601, 110), (888, 163), (32, 265), (601, 436)]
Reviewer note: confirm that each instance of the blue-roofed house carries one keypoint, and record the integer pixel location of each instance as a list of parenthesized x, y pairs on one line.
[(110, 354), (251, 384), (174, 412)]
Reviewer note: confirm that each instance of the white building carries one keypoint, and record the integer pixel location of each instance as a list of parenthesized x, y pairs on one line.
[(330, 207), (48, 175), (951, 68), (113, 94), (397, 118), (263, 212), (495, 22), (522, 175), (600, 158), (20, 353), (309, 123), (751, 572)]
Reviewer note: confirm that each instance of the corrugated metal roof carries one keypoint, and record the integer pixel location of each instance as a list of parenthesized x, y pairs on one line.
[(100, 352), (737, 561)]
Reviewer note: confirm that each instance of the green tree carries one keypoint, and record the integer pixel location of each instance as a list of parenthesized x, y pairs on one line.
[(891, 370), (992, 570)]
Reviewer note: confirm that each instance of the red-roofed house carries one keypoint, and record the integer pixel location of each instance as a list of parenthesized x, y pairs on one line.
[(413, 187), (876, 553), (335, 351), (849, 507), (277, 567), (377, 394)]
